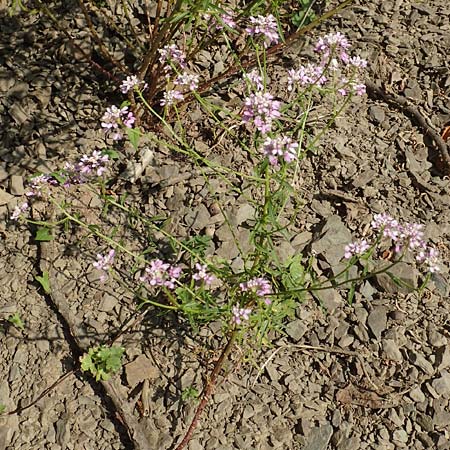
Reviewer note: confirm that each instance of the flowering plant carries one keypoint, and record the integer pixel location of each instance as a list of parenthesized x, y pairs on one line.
[(257, 297)]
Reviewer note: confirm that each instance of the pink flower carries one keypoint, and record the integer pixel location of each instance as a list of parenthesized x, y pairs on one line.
[(240, 314), (254, 78), (19, 210), (186, 79), (259, 286), (280, 147), (356, 248), (262, 109), (170, 97), (202, 274), (114, 117), (430, 257), (104, 264), (266, 27), (160, 273), (132, 82)]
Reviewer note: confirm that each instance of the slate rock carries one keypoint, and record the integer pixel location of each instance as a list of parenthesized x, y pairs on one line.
[(139, 370), (442, 384), (377, 114), (417, 395), (419, 360), (403, 271), (377, 321), (319, 438), (332, 240), (5, 198), (391, 350), (296, 329), (16, 185)]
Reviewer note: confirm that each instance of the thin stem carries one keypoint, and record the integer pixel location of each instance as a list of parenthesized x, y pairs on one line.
[(207, 391)]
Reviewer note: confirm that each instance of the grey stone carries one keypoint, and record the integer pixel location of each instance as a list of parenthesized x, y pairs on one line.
[(198, 218), (332, 240), (419, 360), (426, 422), (406, 274), (5, 197), (139, 370), (319, 438), (443, 357), (296, 329), (16, 185), (441, 419), (417, 395), (442, 384), (377, 321), (377, 114), (330, 299), (391, 350), (400, 436), (108, 303)]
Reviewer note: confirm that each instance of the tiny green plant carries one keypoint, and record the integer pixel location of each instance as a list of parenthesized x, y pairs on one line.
[(16, 321), (190, 393), (102, 361), (2, 408), (44, 281)]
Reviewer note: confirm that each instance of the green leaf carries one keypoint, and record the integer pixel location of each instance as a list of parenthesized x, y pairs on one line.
[(43, 234), (16, 321), (44, 282), (134, 135), (111, 153), (87, 364), (2, 408)]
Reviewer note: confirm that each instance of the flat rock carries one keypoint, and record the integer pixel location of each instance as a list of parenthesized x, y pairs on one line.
[(16, 185), (319, 438), (139, 370), (5, 197), (442, 384), (377, 321), (296, 329), (391, 350), (406, 273), (332, 240)]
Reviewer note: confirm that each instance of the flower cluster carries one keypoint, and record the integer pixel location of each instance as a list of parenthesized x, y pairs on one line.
[(104, 263), (114, 118), (172, 54), (226, 19), (240, 314), (19, 210), (308, 75), (262, 109), (430, 257), (132, 82), (333, 49), (37, 184), (93, 165), (187, 79), (169, 97), (336, 43), (160, 273), (409, 236), (266, 27), (175, 61), (255, 79), (280, 147), (203, 275), (356, 248), (259, 286)]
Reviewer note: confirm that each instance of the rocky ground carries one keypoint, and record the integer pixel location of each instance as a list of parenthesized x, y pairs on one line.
[(373, 375)]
